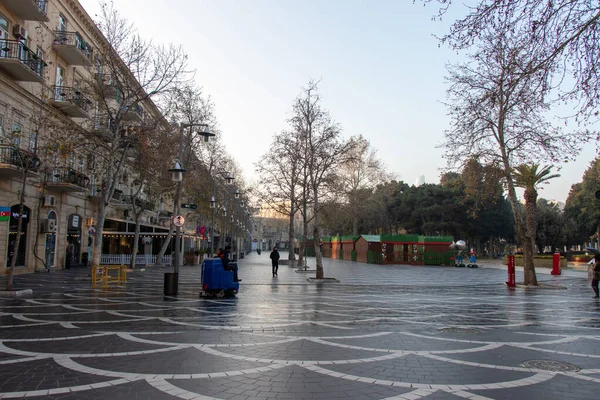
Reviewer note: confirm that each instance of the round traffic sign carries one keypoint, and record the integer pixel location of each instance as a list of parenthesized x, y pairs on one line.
[(178, 220)]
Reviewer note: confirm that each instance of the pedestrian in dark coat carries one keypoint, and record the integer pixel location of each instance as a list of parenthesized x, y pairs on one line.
[(228, 265), (274, 260)]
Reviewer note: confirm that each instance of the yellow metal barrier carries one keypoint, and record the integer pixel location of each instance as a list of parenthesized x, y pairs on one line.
[(101, 274)]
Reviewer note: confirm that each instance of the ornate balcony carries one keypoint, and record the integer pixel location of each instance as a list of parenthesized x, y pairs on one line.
[(106, 84), (29, 10), (95, 194), (70, 101), (71, 47), (132, 113), (120, 201), (19, 61), (65, 179), (13, 161), (139, 202), (104, 127)]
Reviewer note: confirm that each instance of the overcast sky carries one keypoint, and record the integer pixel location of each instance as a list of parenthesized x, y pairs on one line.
[(381, 70)]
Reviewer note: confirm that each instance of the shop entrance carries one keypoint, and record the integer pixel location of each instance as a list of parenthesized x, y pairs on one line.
[(50, 248), (12, 236), (74, 239)]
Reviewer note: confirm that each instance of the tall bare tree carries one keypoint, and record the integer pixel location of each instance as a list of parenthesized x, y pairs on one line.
[(279, 172), (187, 105), (324, 152), (564, 33), (498, 112), (359, 176), (131, 74)]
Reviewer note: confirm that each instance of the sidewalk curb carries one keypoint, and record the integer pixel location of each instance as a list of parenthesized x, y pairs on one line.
[(15, 293), (324, 280)]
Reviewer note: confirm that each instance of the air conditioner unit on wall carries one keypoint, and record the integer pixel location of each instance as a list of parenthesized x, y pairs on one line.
[(19, 31), (49, 201), (47, 225)]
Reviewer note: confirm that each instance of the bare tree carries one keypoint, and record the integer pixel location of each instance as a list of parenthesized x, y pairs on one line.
[(564, 32), (27, 162), (279, 172), (324, 152), (360, 174), (187, 106), (131, 75), (148, 181), (497, 116)]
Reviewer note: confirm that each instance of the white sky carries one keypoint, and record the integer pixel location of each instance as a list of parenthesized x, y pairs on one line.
[(382, 72)]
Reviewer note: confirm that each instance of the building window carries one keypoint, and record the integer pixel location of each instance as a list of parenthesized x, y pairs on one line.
[(16, 134), (98, 66), (90, 162), (41, 56), (62, 23), (1, 128), (33, 142), (3, 27)]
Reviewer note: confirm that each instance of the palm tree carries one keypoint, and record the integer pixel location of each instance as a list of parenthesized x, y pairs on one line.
[(529, 178)]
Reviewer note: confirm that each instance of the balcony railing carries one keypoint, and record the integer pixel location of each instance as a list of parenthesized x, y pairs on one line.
[(29, 10), (104, 126), (132, 112), (66, 175), (72, 48), (42, 5), (106, 81), (117, 195), (10, 155), (20, 61), (71, 101), (144, 204)]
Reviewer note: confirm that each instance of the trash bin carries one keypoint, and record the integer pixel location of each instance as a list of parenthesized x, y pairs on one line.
[(171, 283)]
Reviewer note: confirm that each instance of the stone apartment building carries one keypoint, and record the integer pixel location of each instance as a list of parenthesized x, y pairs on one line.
[(54, 89)]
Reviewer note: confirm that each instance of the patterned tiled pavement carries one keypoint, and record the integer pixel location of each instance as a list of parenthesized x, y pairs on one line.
[(380, 332)]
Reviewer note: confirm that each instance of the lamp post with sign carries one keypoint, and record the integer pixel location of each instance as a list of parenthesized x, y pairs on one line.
[(213, 204), (171, 281)]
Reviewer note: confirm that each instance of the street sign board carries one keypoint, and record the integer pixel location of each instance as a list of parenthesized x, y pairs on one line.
[(189, 206), (178, 220)]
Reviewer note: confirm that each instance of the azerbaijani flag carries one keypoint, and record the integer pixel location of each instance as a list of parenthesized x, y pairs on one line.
[(4, 213)]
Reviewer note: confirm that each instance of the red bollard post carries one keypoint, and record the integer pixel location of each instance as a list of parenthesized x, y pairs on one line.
[(511, 271), (556, 263)]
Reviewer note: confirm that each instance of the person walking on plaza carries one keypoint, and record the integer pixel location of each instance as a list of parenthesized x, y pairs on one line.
[(594, 274), (274, 260)]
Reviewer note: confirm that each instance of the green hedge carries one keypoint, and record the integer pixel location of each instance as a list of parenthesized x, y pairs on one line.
[(374, 257), (432, 257), (353, 255), (538, 261)]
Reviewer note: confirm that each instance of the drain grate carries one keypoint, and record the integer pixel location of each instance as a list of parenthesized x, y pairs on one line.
[(456, 329), (549, 365)]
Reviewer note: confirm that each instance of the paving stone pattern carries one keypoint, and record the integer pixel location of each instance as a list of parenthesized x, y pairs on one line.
[(380, 332)]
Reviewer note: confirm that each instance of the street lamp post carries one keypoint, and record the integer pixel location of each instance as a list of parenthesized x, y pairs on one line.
[(213, 204), (171, 281)]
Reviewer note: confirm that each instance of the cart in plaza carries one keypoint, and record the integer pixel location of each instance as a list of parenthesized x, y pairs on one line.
[(216, 282)]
